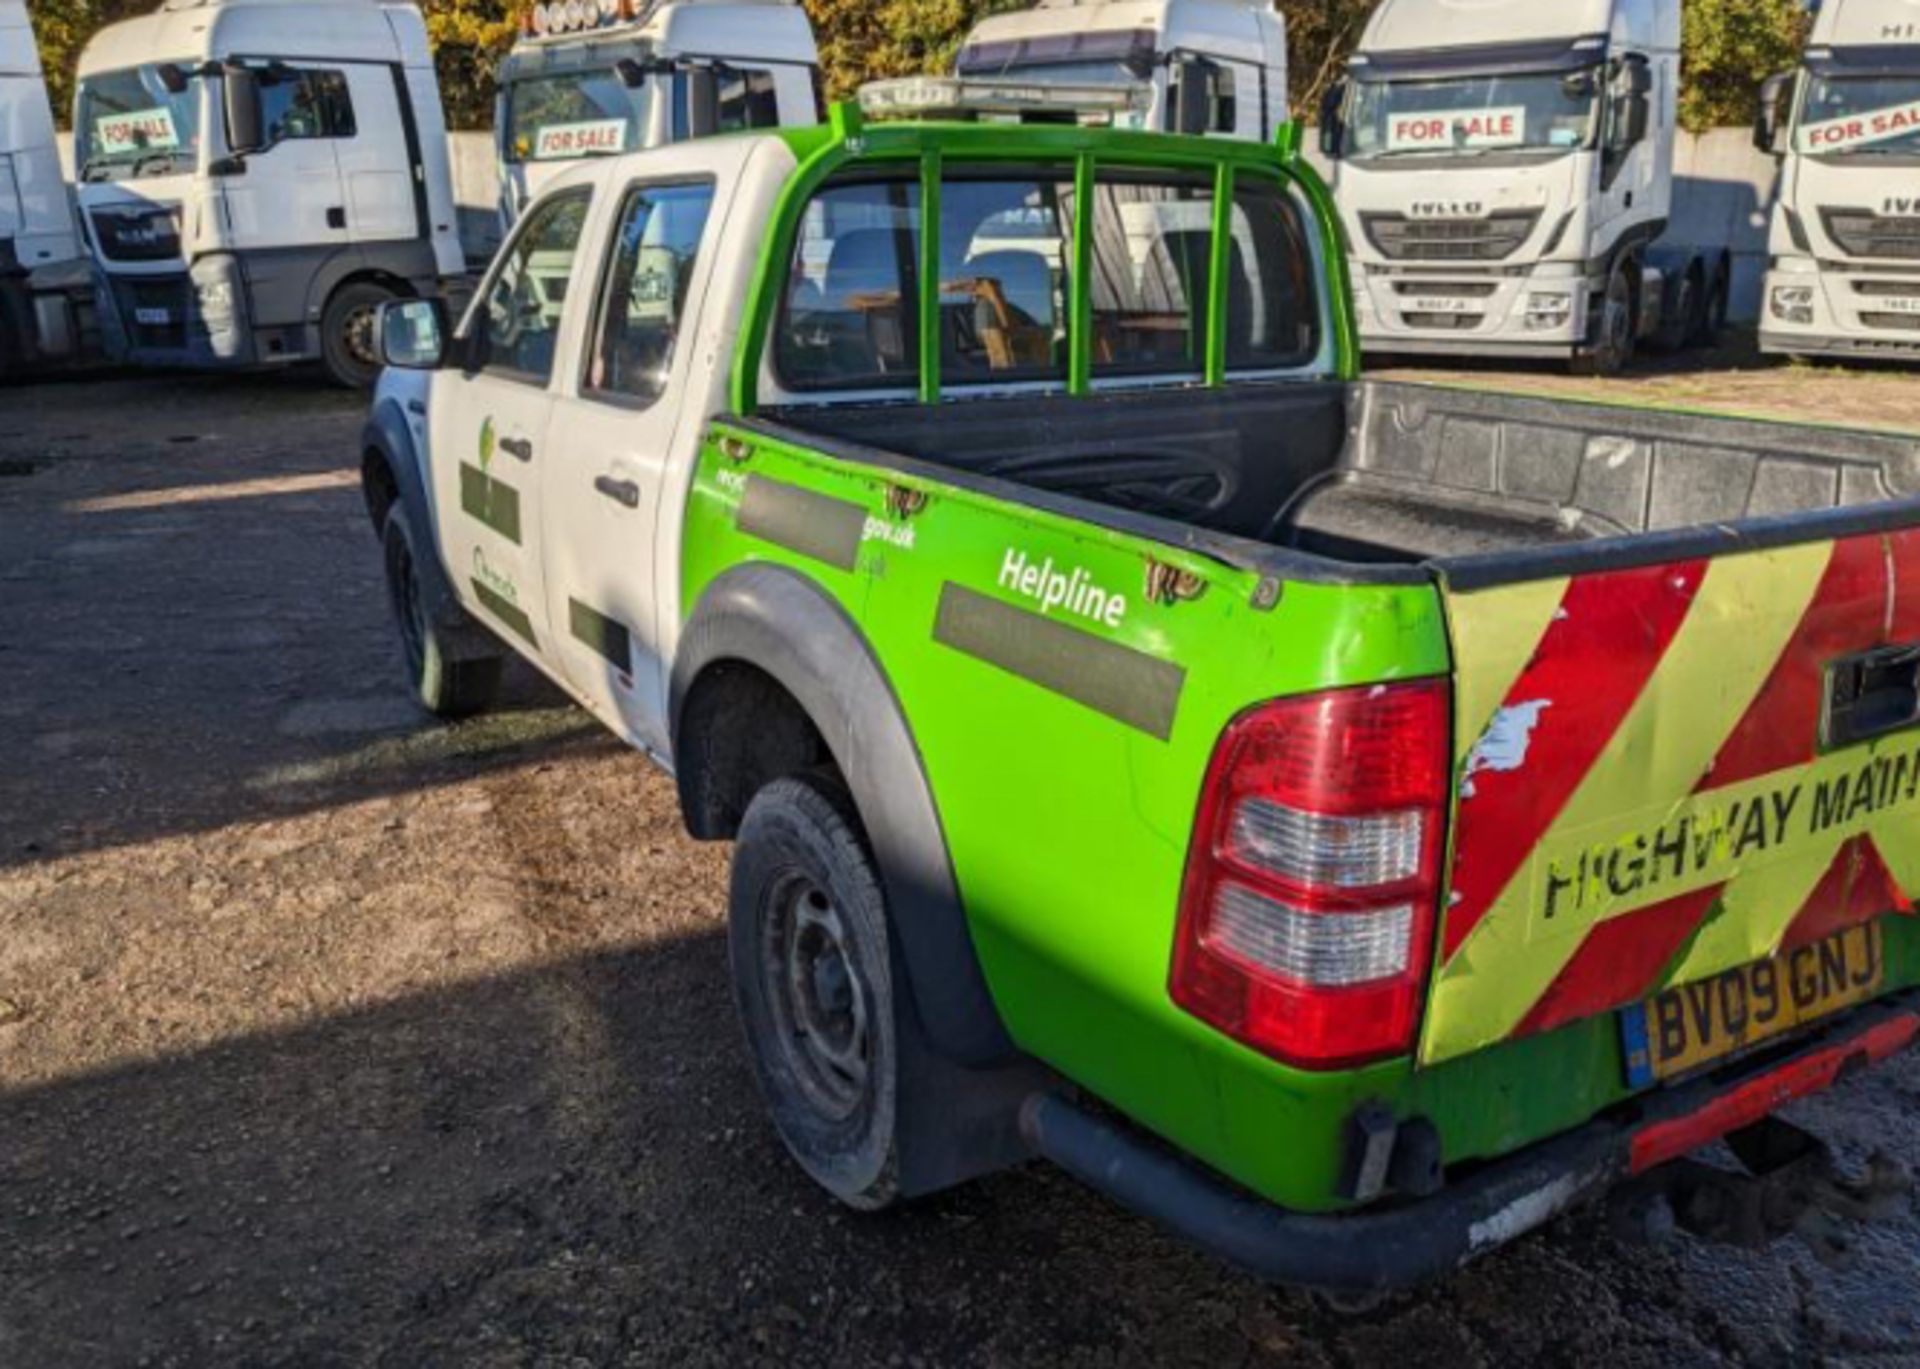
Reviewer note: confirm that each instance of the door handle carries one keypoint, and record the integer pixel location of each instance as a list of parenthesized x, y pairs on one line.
[(620, 491), (519, 448), (336, 217)]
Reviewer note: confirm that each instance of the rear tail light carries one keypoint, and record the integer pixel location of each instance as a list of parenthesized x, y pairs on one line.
[(1307, 917)]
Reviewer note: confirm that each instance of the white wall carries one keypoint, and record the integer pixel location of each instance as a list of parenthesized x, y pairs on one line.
[(1723, 188)]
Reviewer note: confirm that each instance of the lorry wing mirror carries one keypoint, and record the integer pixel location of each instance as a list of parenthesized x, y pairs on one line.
[(1639, 114), (632, 75), (173, 78), (411, 334), (1769, 115), (703, 101), (246, 124), (1332, 102), (1192, 109)]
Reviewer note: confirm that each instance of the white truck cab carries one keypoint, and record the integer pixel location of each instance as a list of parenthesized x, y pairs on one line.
[(257, 176), (1216, 66), (1844, 276), (1504, 171), (45, 281), (612, 76)]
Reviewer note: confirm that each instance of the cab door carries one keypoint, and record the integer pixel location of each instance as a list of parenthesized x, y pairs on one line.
[(489, 423), (292, 195), (638, 395)]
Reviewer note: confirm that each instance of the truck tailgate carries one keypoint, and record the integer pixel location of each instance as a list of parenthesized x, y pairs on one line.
[(1665, 773)]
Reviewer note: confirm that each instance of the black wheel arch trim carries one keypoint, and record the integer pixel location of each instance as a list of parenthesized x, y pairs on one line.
[(777, 621), (387, 439)]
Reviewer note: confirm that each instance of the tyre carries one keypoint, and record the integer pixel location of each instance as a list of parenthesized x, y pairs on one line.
[(1679, 326), (1713, 318), (346, 334), (812, 976), (448, 673), (1614, 331)]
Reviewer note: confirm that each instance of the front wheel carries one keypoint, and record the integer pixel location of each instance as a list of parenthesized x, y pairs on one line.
[(807, 937), (1614, 334), (446, 676), (346, 334)]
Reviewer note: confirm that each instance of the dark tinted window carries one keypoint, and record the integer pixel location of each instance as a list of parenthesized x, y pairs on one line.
[(1273, 312), (1152, 241), (304, 103), (644, 298), (520, 317), (848, 320), (1005, 250), (746, 99)]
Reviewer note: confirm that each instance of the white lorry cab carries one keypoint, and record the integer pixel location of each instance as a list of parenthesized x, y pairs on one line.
[(1504, 171), (45, 281), (257, 176), (592, 78), (1215, 66), (1844, 276)]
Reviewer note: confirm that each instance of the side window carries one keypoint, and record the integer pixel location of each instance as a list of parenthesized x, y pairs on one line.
[(848, 320), (1273, 312), (1152, 244), (305, 103), (1005, 250), (519, 318), (644, 293), (1219, 92), (746, 99)]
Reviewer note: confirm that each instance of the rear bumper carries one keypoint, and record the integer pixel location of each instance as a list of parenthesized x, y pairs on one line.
[(1387, 1248)]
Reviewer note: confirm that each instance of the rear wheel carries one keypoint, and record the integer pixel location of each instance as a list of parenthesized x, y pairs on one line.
[(1614, 330), (807, 937), (447, 673), (1682, 324), (346, 334), (1712, 323)]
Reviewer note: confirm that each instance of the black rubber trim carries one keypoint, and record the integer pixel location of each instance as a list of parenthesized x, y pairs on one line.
[(1385, 1249), (775, 619), (1128, 686), (605, 637), (801, 520)]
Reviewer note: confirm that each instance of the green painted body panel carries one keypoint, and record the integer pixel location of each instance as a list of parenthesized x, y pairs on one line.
[(1068, 818)]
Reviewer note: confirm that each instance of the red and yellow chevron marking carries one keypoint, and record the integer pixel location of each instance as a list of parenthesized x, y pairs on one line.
[(1642, 796)]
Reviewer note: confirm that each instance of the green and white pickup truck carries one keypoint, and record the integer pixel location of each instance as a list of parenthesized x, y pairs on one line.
[(1349, 822)]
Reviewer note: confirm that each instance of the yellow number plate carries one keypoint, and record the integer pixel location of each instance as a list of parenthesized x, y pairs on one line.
[(1681, 1029)]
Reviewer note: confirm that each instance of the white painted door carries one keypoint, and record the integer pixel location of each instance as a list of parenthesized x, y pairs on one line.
[(290, 193), (613, 437), (490, 426)]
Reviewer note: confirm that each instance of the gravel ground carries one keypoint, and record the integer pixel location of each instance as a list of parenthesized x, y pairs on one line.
[(331, 1035)]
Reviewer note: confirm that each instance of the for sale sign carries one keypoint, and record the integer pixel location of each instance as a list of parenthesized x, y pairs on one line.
[(1857, 130), (136, 131), (1500, 126), (580, 140)]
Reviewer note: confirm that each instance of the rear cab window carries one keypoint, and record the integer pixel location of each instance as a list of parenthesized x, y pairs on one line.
[(862, 301)]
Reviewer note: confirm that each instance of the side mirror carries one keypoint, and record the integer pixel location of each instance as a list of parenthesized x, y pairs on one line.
[(632, 75), (1192, 105), (1639, 116), (1333, 104), (246, 124), (411, 334), (173, 78), (1770, 113), (703, 101)]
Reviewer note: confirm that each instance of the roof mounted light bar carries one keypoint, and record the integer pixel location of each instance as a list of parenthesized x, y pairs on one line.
[(933, 97)]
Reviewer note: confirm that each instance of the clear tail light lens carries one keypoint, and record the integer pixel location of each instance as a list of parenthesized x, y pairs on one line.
[(1307, 916)]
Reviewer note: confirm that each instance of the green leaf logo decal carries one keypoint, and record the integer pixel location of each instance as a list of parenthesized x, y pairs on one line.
[(486, 443)]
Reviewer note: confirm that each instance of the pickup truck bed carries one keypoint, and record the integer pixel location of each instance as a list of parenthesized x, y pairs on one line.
[(1379, 473)]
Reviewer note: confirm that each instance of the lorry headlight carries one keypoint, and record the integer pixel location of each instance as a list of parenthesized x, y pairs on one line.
[(1548, 309), (1792, 303), (216, 296)]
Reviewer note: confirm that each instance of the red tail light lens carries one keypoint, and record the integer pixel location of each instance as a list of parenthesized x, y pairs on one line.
[(1307, 917)]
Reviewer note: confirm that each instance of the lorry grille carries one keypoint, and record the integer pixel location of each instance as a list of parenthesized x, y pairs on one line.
[(1493, 238), (1863, 233), (137, 233), (1901, 289), (155, 312), (1906, 323)]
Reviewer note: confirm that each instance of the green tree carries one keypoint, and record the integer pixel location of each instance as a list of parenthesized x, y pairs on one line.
[(1728, 48)]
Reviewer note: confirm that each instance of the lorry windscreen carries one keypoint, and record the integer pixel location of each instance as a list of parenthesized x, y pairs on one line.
[(129, 124), (571, 114), (1860, 116), (1534, 113)]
